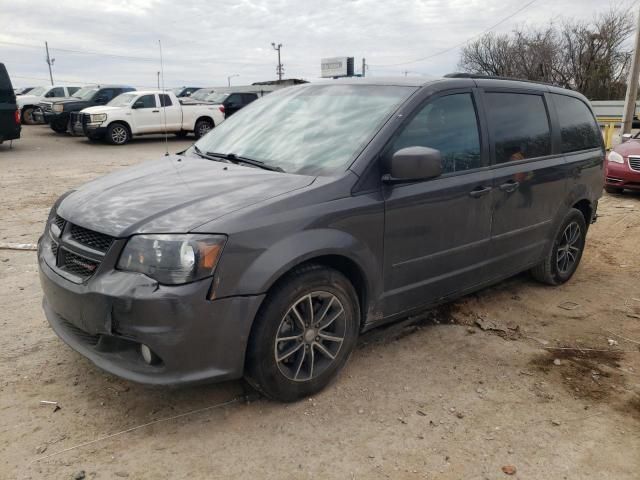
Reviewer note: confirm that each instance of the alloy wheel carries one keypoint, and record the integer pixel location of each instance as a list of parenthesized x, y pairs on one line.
[(569, 248), (310, 336), (119, 135)]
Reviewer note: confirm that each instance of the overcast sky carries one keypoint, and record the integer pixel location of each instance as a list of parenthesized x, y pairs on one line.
[(205, 41)]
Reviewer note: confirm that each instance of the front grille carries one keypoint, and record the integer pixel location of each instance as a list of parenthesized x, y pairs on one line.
[(76, 265), (59, 221), (96, 240), (54, 248), (45, 107), (634, 163)]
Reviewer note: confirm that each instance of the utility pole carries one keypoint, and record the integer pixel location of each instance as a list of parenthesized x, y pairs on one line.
[(230, 77), (49, 61), (158, 75), (364, 66), (279, 70), (406, 72), (632, 85)]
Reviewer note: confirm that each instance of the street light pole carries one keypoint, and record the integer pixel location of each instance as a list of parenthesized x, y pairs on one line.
[(49, 61), (632, 85), (279, 70), (230, 77)]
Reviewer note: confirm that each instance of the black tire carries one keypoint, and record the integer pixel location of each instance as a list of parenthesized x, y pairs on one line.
[(613, 190), (316, 355), (58, 128), (202, 127), (557, 268), (26, 116), (118, 134)]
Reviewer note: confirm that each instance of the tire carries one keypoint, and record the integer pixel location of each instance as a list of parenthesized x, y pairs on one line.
[(613, 190), (57, 128), (118, 134), (27, 116), (565, 252), (286, 362), (202, 127)]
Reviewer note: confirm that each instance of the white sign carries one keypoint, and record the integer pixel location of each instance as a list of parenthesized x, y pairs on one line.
[(333, 67)]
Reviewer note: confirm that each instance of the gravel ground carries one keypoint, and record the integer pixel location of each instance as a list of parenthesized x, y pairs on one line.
[(432, 397)]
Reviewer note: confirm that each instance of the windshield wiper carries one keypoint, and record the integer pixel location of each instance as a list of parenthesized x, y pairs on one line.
[(232, 157), (210, 156)]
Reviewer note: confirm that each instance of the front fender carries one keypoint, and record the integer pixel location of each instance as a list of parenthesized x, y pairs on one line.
[(272, 263)]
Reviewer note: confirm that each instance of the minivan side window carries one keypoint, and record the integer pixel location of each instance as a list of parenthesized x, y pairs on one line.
[(578, 128), (448, 124), (519, 126)]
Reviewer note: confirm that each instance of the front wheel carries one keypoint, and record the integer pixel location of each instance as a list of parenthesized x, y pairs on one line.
[(118, 134), (565, 253), (27, 116), (304, 334)]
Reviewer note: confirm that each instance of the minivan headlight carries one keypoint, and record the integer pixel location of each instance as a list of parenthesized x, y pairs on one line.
[(172, 259), (57, 107), (616, 157)]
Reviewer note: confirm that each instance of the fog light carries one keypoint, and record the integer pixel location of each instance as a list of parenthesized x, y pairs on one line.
[(149, 357)]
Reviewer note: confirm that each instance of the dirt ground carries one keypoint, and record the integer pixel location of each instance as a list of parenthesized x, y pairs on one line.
[(544, 380)]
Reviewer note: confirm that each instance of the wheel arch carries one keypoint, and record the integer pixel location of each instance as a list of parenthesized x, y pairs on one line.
[(586, 208), (121, 122), (204, 117)]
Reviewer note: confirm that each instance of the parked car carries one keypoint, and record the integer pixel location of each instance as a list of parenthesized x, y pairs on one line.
[(623, 166), (145, 112), (316, 213), (57, 112), (9, 116), (201, 94), (184, 91), (29, 103), (23, 90), (231, 102)]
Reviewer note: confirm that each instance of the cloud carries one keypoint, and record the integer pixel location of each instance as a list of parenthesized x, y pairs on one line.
[(204, 42)]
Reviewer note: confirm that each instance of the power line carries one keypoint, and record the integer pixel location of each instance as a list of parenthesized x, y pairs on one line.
[(527, 5)]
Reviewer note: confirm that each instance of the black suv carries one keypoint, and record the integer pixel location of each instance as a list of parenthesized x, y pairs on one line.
[(232, 100), (9, 114), (316, 213), (58, 113)]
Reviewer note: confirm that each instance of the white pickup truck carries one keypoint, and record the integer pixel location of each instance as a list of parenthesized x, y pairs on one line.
[(29, 102), (142, 113)]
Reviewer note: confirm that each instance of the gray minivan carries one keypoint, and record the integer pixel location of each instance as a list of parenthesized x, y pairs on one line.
[(316, 213)]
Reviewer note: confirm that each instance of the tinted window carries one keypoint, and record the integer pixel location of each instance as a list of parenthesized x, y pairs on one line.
[(165, 100), (106, 94), (448, 124), (56, 92), (72, 90), (519, 126), (578, 129), (6, 90), (148, 101), (248, 97), (234, 99)]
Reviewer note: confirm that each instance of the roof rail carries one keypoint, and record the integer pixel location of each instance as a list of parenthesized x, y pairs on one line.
[(494, 77)]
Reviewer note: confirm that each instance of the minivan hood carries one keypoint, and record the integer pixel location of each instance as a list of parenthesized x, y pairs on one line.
[(173, 195)]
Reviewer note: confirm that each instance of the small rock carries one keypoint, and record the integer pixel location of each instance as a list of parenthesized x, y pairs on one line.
[(555, 423), (421, 413), (41, 449), (79, 475), (612, 342), (460, 415), (557, 362), (361, 411), (402, 420), (509, 469)]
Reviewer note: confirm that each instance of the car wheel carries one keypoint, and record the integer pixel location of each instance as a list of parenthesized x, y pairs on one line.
[(202, 127), (564, 255), (304, 334), (613, 190), (27, 116), (58, 128), (118, 134)]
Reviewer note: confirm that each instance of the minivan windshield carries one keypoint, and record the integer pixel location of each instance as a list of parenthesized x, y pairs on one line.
[(122, 100), (310, 129), (85, 93)]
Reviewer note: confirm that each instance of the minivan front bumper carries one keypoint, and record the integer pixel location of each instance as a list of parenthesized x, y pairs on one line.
[(108, 318)]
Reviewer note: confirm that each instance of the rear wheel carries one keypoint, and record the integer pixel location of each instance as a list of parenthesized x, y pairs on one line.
[(565, 252), (118, 134), (304, 334), (27, 116), (202, 127), (613, 190)]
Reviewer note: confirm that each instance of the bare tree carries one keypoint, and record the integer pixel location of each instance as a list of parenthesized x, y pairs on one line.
[(588, 57)]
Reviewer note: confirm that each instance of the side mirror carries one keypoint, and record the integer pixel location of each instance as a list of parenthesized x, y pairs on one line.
[(412, 164), (137, 104), (626, 137)]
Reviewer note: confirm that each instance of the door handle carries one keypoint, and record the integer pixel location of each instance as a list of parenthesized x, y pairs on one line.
[(479, 192), (155, 111), (510, 187)]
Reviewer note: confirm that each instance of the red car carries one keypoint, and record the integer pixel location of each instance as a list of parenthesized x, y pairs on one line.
[(623, 166)]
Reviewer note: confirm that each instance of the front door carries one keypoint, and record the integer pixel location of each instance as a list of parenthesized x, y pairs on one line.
[(232, 104), (146, 114), (529, 182), (437, 231)]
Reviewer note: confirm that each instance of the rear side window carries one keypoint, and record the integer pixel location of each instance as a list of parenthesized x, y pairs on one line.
[(72, 90), (448, 124), (248, 98), (578, 129), (519, 126), (165, 100)]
